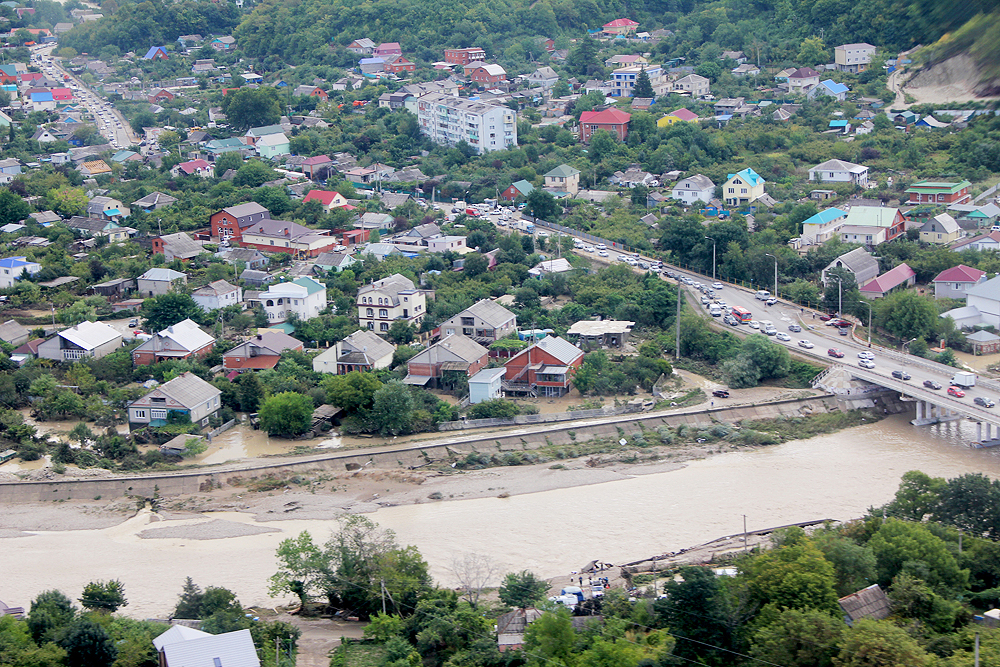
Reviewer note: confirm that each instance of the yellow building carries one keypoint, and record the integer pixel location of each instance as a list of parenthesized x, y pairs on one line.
[(743, 187)]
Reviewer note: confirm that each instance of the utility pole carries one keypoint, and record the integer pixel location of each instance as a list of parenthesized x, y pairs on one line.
[(677, 344), (745, 547), (713, 257), (775, 273), (382, 584)]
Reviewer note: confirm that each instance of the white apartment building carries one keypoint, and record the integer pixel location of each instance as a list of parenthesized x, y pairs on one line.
[(853, 58), (448, 120), (394, 298), (623, 80), (306, 297)]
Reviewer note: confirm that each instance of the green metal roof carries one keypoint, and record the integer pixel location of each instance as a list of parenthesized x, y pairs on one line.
[(563, 171), (937, 187), (311, 285)]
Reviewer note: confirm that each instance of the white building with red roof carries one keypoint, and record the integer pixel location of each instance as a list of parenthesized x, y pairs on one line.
[(900, 276), (620, 27), (330, 200), (954, 282), (197, 167)]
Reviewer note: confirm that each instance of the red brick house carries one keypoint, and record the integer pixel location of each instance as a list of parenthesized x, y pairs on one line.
[(315, 165), (396, 64), (453, 354), (463, 56), (161, 95), (544, 369), (485, 74), (261, 352), (938, 192), (180, 341), (614, 121), (229, 223), (388, 49)]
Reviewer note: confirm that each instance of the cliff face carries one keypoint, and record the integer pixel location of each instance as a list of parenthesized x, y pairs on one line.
[(955, 79)]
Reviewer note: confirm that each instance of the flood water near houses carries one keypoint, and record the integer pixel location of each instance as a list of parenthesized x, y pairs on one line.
[(835, 476)]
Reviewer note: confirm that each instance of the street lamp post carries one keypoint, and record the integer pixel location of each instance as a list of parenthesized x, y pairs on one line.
[(713, 256), (870, 324), (775, 273), (840, 298)]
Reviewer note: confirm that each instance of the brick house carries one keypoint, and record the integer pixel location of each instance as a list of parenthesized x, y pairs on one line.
[(453, 354), (614, 121), (463, 56), (544, 369), (485, 74), (230, 222), (939, 192), (396, 64), (260, 353), (485, 322), (179, 341)]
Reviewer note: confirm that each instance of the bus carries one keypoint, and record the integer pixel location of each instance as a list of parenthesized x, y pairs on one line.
[(742, 314)]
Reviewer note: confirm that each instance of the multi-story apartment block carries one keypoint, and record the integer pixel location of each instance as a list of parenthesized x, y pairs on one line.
[(448, 120), (385, 301), (463, 56), (623, 80)]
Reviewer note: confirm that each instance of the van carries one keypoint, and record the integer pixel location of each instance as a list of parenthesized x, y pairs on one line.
[(763, 295)]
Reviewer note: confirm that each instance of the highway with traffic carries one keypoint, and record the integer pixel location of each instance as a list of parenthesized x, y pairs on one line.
[(110, 123), (811, 334)]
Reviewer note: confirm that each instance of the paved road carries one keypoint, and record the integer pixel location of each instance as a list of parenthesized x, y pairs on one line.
[(110, 123), (816, 339)]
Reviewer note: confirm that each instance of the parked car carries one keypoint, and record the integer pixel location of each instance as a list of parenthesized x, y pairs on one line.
[(133, 323), (901, 375), (834, 352), (825, 318), (866, 363), (931, 384), (721, 393), (985, 402), (956, 392)]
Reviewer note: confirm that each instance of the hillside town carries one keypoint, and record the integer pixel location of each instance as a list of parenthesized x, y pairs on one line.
[(413, 245)]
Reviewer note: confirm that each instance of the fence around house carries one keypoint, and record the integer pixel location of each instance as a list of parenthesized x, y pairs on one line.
[(222, 429)]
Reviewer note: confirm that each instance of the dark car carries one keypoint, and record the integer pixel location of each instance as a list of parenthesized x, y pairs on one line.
[(731, 321), (834, 352), (985, 402), (901, 375), (931, 384), (721, 393)]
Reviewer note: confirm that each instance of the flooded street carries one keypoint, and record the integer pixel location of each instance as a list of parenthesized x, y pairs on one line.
[(835, 476)]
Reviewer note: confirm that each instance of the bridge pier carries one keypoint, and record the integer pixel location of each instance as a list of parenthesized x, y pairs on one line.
[(928, 413)]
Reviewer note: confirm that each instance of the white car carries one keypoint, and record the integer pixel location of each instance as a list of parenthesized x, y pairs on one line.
[(542, 234), (588, 248), (806, 344), (716, 285), (866, 355), (866, 363), (601, 246), (781, 335), (754, 324), (602, 253)]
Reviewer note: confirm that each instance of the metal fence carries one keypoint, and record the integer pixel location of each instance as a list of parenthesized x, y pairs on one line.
[(222, 429)]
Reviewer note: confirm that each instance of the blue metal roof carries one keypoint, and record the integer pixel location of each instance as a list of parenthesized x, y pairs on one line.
[(835, 87), (41, 97), (825, 216)]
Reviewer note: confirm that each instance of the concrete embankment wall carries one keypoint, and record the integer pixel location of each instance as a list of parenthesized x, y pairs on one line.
[(405, 455)]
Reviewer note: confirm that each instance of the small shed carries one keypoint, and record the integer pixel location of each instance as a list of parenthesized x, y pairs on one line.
[(605, 333), (984, 342), (871, 602), (486, 385)]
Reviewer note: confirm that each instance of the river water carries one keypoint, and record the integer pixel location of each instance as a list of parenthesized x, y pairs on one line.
[(835, 476)]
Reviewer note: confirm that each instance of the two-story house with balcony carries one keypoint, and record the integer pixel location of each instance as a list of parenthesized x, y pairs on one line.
[(183, 340), (87, 340), (389, 300), (186, 395), (306, 297), (544, 369), (563, 178), (229, 223), (743, 187), (361, 351), (446, 361), (939, 192), (485, 322)]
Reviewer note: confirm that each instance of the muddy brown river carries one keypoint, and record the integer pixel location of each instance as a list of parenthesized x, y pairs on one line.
[(835, 476)]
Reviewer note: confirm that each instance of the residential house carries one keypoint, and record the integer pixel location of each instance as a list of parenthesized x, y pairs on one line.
[(250, 258), (612, 120), (984, 300), (901, 276), (159, 95), (373, 221), (453, 355), (329, 200), (988, 241), (803, 80), (622, 60), (940, 192), (393, 200), (858, 262), (157, 281), (217, 294), (736, 56), (225, 43), (696, 85), (13, 333), (334, 261), (255, 278), (745, 69), (273, 146), (518, 189), (42, 101), (390, 300), (955, 282), (388, 49), (681, 115), (743, 187), (559, 265), (305, 297), (307, 90), (176, 246), (486, 385), (822, 227), (838, 171), (9, 168), (397, 64), (154, 201), (229, 223), (543, 369), (13, 269), (487, 75), (317, 166), (197, 167), (942, 228), (361, 351), (363, 46), (853, 58), (829, 88), (619, 27), (419, 235), (106, 208), (254, 134), (290, 237), (372, 65), (114, 289), (189, 396), (861, 220), (261, 352), (43, 136), (464, 56), (563, 178), (623, 80), (545, 77), (485, 322), (87, 340), (694, 189), (184, 340), (486, 127)]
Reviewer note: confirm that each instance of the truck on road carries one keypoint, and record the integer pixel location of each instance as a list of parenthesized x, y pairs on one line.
[(964, 379), (525, 226)]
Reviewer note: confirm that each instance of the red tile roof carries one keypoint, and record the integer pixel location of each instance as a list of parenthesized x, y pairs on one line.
[(193, 166), (888, 280), (321, 196), (606, 117), (319, 159), (684, 114), (620, 23), (960, 274)]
